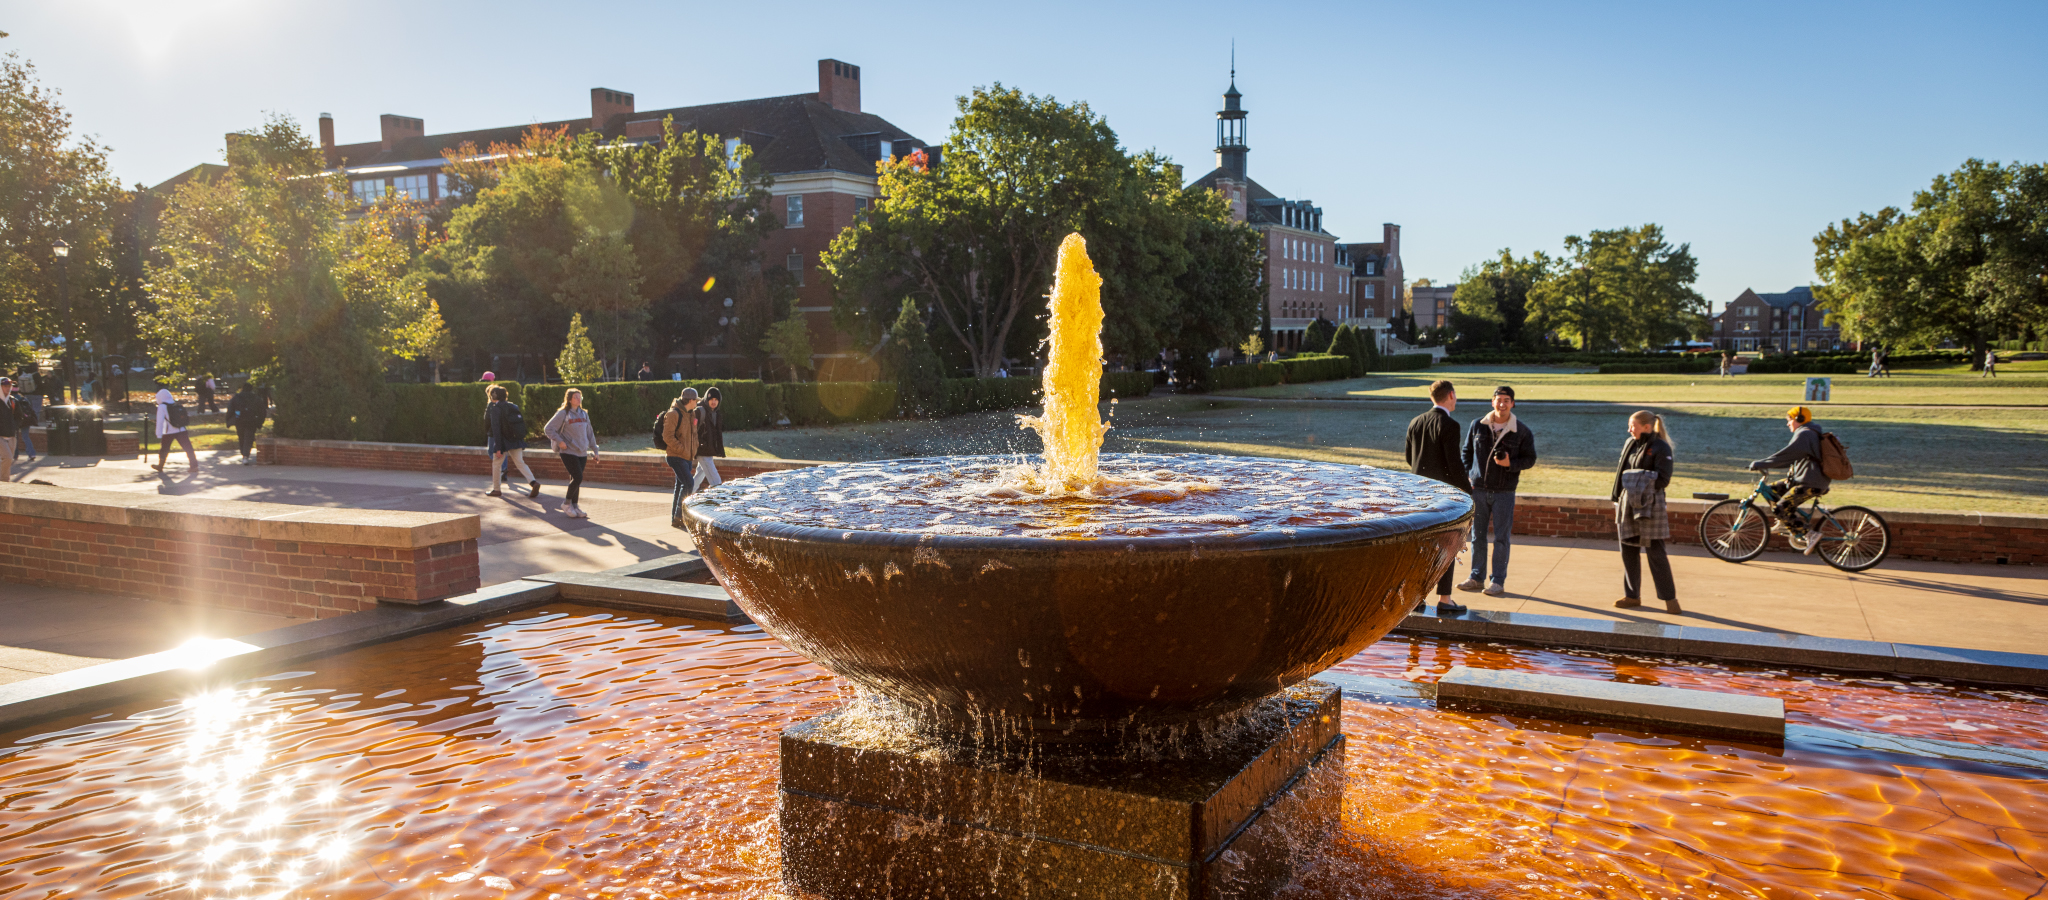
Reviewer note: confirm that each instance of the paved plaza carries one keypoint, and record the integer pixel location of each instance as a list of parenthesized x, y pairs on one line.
[(45, 630)]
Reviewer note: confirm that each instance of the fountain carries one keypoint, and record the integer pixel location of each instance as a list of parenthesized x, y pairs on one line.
[(1088, 677)]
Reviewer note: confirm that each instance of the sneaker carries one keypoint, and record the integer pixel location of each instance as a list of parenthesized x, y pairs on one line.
[(1495, 589), (535, 487), (1445, 606), (495, 494), (1469, 584), (1627, 603)]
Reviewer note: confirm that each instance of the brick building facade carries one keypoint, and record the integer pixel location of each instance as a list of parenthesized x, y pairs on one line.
[(1432, 304), (1775, 323), (820, 148), (1308, 274)]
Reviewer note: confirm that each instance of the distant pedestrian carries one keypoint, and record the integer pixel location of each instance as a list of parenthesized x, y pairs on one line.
[(1727, 365), (646, 372), (576, 443), (1642, 522), (14, 422), (1884, 363), (679, 446), (90, 390), (1498, 449), (1876, 362), (1433, 453), (1990, 364), (246, 411), (171, 421), (206, 389), (489, 377), (505, 435), (710, 443)]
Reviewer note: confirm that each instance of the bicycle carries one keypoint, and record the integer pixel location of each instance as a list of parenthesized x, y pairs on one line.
[(1851, 538)]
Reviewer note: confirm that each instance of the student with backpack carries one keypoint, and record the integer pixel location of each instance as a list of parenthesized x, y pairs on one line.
[(675, 434), (1809, 476), (505, 436), (246, 411), (172, 420)]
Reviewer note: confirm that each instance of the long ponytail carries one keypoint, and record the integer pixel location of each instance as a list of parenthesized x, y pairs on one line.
[(1656, 426)]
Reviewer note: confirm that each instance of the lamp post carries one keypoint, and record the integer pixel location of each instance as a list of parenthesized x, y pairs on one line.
[(63, 253)]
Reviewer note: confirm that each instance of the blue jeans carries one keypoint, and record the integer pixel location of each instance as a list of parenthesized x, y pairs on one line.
[(1492, 511), (684, 469)]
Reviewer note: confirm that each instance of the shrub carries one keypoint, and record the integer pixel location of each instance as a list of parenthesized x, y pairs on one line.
[(1402, 362), (966, 395), (1124, 385), (1347, 343), (830, 402), (629, 407), (1316, 338), (445, 413), (1248, 375), (1660, 368), (1316, 367)]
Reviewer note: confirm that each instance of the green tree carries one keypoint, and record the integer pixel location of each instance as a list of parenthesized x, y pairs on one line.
[(1346, 342), (1969, 263), (258, 270), (1316, 337), (909, 358), (1218, 297), (1625, 288), (975, 238), (789, 341), (578, 363), (1492, 303), (53, 186)]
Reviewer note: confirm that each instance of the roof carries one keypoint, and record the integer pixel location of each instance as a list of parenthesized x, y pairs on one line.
[(794, 133), (203, 172), (1799, 296), (1256, 212)]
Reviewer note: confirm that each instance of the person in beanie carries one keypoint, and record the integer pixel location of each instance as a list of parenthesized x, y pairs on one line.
[(679, 445), (505, 435), (1433, 453), (167, 432), (1498, 448), (576, 443), (246, 412), (710, 442)]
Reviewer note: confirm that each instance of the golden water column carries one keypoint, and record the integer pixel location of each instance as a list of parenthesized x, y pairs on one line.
[(1071, 427)]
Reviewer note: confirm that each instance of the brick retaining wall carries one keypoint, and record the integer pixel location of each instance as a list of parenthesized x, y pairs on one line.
[(644, 469), (306, 562)]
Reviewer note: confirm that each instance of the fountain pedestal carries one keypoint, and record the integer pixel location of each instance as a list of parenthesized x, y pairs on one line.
[(870, 812)]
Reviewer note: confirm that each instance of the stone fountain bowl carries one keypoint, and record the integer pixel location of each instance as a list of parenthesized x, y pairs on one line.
[(1077, 640)]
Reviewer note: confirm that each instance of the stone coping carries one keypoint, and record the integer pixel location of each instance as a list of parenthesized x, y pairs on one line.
[(241, 518), (1695, 508), (463, 450), (1668, 708)]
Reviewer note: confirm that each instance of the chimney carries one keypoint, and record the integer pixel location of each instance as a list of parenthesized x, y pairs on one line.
[(326, 131), (839, 85), (398, 128), (606, 103)]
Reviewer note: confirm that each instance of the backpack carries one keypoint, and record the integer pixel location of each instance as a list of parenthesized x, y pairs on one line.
[(1834, 459), (660, 443), (174, 413), (513, 424)]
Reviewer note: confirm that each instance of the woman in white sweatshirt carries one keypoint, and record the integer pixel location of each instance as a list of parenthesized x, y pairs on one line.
[(576, 443), (166, 433)]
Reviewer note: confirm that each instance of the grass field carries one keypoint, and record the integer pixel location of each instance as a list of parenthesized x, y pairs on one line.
[(2017, 384)]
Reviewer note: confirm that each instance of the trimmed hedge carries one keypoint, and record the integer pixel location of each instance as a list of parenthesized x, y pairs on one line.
[(1126, 384), (1248, 375), (806, 403), (1573, 358), (1401, 362), (1317, 367), (1668, 368), (629, 407), (444, 413), (966, 395)]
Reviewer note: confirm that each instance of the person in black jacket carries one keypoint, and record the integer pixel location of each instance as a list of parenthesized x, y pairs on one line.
[(14, 422), (505, 436), (1433, 453), (246, 411), (1649, 448), (710, 442), (1498, 448)]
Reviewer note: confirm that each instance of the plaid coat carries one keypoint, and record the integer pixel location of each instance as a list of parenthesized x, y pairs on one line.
[(1639, 516)]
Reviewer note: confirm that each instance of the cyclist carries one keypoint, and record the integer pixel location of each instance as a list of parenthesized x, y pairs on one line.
[(1806, 480)]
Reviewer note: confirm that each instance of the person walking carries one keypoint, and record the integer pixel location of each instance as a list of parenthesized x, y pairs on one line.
[(1642, 523), (1876, 362), (1498, 448), (1433, 453), (171, 421), (1990, 364), (710, 443), (206, 388), (1727, 365), (505, 435), (576, 443), (646, 372), (1884, 363), (679, 445), (14, 423), (1804, 482), (246, 411)]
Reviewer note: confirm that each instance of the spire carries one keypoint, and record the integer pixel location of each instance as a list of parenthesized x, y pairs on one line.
[(1230, 138)]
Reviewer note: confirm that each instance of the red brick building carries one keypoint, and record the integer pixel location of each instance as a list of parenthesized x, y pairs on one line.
[(819, 147), (1308, 275), (1776, 323)]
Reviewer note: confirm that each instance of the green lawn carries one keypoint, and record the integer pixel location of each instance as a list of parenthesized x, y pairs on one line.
[(2017, 384)]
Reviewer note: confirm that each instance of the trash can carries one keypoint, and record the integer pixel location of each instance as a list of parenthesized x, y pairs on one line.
[(76, 430)]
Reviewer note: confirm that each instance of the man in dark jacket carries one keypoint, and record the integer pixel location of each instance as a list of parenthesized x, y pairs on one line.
[(1433, 453), (246, 411), (1806, 480), (14, 419), (710, 442), (1498, 448)]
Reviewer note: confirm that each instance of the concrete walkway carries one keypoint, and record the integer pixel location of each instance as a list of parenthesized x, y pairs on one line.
[(1981, 607)]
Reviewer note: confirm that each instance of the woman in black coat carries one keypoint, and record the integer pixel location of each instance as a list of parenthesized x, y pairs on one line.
[(1644, 472)]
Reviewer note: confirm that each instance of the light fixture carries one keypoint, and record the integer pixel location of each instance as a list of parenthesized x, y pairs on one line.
[(728, 302), (61, 249)]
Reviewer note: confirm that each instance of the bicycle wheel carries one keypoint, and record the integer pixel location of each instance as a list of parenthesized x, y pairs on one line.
[(1734, 531), (1853, 538)]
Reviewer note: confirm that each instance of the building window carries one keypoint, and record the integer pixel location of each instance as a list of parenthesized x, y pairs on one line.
[(793, 212), (795, 264), (367, 190), (443, 188), (1371, 292), (860, 203), (1372, 268), (410, 187), (732, 153)]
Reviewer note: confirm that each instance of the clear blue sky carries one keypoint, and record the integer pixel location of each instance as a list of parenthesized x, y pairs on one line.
[(1742, 128)]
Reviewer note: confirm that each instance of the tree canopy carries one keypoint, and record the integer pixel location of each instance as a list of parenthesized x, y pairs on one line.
[(1626, 288)]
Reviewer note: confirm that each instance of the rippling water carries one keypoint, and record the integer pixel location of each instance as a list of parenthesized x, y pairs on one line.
[(583, 753)]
